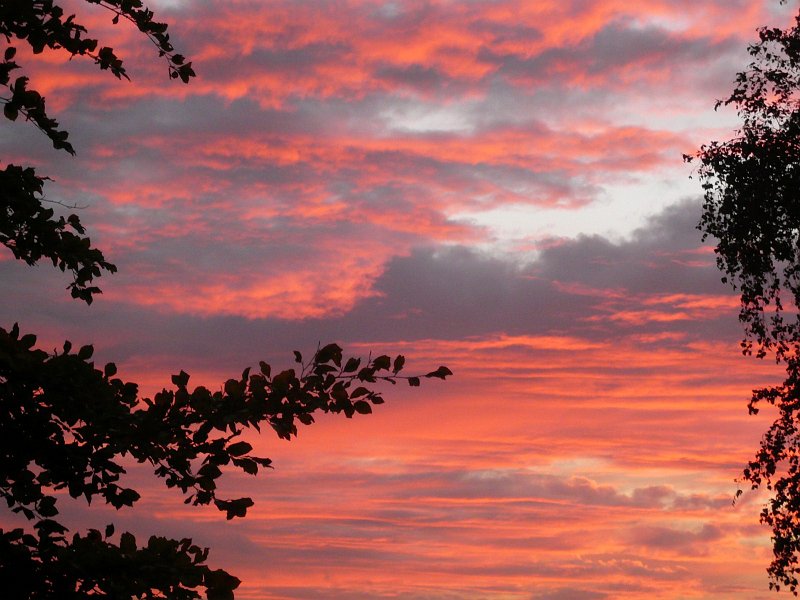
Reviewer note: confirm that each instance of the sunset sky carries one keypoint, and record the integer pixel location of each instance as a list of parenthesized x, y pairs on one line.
[(495, 186)]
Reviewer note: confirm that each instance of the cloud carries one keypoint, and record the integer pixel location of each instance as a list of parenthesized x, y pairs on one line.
[(323, 180), (210, 181), (619, 53), (658, 288), (684, 543), (305, 154)]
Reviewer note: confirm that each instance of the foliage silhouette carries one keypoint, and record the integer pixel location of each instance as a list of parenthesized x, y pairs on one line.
[(65, 425), (26, 227), (752, 206)]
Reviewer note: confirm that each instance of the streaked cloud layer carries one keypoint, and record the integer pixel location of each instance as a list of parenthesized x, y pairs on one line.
[(495, 186)]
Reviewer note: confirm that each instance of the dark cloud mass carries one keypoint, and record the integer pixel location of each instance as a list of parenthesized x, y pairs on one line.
[(573, 288)]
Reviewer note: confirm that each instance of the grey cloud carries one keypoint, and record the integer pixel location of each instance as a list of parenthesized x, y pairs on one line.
[(293, 60), (408, 492), (433, 292), (616, 46), (445, 292), (417, 76), (685, 543), (652, 261), (506, 32)]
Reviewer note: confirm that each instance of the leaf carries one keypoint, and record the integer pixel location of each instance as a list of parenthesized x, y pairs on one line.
[(127, 543), (48, 526), (352, 365), (220, 584), (219, 594), (47, 507), (329, 353), (10, 111), (339, 392), (75, 488), (234, 508), (362, 407), (210, 470), (181, 379), (185, 72), (109, 530), (413, 381), (94, 536), (440, 373), (85, 353), (233, 388), (9, 53), (283, 379), (381, 363), (398, 363), (367, 374), (239, 448), (248, 465), (298, 358), (127, 497), (265, 369)]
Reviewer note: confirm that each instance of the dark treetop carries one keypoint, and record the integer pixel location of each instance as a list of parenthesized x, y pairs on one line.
[(752, 207)]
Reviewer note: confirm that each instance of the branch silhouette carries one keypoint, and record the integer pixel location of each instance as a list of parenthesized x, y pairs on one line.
[(751, 202), (65, 425)]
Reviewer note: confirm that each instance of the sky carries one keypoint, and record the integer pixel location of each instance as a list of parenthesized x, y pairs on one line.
[(495, 186)]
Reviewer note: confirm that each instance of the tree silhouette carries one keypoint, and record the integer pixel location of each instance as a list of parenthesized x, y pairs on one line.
[(65, 425), (752, 206)]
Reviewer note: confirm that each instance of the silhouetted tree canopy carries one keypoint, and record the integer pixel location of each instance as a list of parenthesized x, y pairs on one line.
[(752, 207), (65, 425), (29, 229)]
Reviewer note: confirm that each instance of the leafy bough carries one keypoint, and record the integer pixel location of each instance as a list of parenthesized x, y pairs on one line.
[(65, 425)]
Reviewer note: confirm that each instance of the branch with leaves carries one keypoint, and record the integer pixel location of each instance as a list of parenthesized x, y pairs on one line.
[(27, 228), (65, 426), (752, 207), (41, 23), (32, 232)]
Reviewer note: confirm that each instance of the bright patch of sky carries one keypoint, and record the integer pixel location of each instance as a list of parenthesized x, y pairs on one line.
[(417, 117), (620, 211)]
